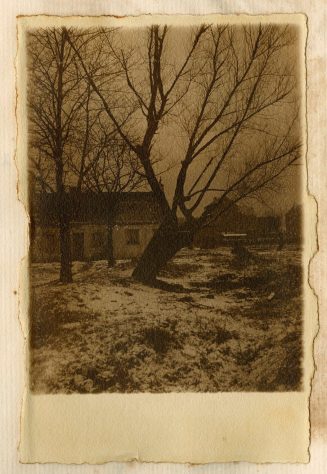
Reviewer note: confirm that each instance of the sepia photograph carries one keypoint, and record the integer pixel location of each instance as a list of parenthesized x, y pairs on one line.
[(166, 174)]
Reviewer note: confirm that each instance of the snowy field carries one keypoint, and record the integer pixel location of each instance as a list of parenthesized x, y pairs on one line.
[(216, 323)]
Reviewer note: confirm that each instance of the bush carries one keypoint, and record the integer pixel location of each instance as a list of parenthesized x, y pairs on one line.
[(160, 339)]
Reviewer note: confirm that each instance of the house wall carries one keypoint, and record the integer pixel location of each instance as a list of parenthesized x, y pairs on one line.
[(122, 248), (94, 241), (89, 242), (41, 248)]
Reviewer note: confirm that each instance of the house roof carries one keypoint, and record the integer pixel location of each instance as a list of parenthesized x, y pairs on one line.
[(97, 208)]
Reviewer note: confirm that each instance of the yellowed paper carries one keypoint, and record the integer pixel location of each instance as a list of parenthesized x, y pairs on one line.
[(243, 425)]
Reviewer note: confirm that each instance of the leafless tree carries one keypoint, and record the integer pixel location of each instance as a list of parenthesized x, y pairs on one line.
[(56, 95), (102, 162), (71, 141), (233, 95)]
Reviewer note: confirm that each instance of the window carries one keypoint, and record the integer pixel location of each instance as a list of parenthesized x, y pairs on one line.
[(97, 239), (133, 236), (49, 243)]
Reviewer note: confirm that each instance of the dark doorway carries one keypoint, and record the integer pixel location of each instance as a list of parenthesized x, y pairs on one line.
[(78, 246)]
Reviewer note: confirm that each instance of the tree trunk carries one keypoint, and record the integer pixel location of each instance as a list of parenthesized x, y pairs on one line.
[(64, 212), (281, 241), (110, 248), (65, 253), (166, 242)]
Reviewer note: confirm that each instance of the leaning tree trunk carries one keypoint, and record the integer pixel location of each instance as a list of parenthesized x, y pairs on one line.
[(165, 243)]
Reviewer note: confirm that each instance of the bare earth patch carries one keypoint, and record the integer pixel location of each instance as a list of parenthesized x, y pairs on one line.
[(231, 326)]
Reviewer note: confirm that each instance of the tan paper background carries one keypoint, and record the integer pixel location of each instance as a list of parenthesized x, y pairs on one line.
[(15, 239), (196, 428)]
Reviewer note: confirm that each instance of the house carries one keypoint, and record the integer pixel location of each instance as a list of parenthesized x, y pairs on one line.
[(127, 221), (231, 221), (233, 225)]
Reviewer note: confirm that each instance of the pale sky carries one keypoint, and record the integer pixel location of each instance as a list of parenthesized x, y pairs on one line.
[(171, 139)]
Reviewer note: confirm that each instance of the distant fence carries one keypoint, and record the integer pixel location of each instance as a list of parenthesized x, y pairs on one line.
[(246, 239)]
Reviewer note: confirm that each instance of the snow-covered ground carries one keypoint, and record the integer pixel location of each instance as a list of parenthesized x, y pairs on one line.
[(218, 324)]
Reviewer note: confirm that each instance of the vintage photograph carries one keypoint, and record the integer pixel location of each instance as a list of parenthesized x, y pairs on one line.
[(166, 169)]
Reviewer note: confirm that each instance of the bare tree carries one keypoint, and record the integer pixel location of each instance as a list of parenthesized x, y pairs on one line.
[(102, 162), (72, 142), (56, 95), (233, 95)]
